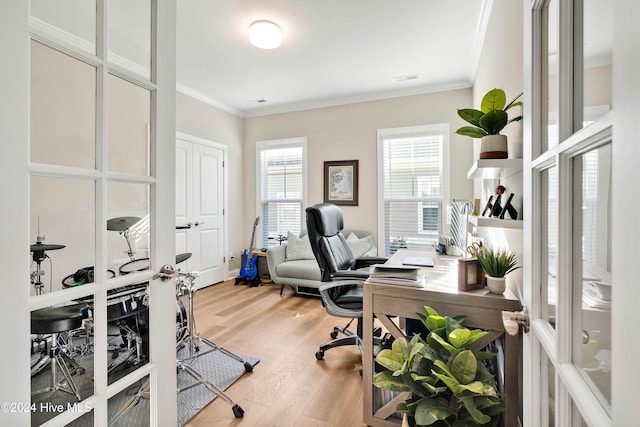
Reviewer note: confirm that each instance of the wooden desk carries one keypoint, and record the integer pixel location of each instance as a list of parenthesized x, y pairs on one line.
[(482, 309)]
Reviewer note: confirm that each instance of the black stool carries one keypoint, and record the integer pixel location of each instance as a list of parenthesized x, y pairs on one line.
[(53, 321)]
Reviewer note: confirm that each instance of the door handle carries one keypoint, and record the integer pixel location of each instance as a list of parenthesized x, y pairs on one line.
[(182, 227), (166, 272), (512, 320), (198, 223)]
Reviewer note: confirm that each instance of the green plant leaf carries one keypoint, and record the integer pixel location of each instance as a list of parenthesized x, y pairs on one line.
[(470, 115), (464, 367), (471, 131), (401, 347), (475, 413), (513, 102), (459, 337), (430, 311), (428, 411), (474, 336), (386, 381), (390, 359), (495, 99), (437, 338), (435, 322), (493, 121)]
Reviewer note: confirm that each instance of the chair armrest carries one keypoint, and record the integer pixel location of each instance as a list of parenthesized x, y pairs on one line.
[(350, 274), (275, 256), (369, 261)]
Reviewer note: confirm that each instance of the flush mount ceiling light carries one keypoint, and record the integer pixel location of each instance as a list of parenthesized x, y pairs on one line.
[(265, 35)]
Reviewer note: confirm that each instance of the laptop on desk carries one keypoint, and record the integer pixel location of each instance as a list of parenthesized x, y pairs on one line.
[(418, 261)]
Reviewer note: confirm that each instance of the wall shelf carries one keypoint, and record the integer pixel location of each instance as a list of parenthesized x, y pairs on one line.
[(494, 168), (481, 221)]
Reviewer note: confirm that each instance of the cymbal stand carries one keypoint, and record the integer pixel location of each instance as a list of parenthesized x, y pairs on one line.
[(38, 257), (126, 233), (192, 341)]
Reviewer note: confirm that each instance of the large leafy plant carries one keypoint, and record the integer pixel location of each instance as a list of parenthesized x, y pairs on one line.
[(447, 383), (492, 116), (497, 263)]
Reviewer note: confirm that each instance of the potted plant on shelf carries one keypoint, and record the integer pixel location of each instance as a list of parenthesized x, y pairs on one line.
[(447, 383), (496, 265), (488, 121)]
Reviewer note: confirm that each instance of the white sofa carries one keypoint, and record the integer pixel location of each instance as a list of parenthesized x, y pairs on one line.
[(293, 264)]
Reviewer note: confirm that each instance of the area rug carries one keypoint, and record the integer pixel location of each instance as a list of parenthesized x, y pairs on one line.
[(215, 366)]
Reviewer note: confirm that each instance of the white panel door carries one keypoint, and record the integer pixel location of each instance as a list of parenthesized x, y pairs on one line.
[(199, 209), (208, 241)]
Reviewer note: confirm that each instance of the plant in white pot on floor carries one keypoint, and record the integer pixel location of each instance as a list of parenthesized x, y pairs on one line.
[(496, 265), (488, 121)]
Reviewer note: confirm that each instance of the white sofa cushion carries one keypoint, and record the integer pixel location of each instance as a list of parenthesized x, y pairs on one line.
[(359, 247), (298, 247)]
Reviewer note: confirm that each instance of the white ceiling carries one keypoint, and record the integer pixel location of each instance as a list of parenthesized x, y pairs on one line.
[(333, 51)]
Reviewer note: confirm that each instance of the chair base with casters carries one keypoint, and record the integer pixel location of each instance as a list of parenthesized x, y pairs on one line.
[(54, 321)]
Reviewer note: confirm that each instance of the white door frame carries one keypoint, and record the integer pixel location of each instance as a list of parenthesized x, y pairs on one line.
[(624, 126), (14, 228)]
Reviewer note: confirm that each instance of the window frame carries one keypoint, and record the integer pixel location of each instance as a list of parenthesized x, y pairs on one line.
[(275, 144), (436, 129)]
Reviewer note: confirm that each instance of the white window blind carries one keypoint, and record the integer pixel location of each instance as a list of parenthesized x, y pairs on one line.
[(281, 188), (413, 188)]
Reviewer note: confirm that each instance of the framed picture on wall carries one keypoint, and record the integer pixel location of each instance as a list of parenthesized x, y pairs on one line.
[(341, 182)]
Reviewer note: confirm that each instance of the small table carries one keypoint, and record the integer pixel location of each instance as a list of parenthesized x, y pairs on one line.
[(482, 309)]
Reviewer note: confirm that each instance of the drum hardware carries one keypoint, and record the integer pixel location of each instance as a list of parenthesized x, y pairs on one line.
[(192, 340), (38, 255), (123, 226)]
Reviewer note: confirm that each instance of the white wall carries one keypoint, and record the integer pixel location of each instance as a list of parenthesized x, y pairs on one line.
[(348, 132), (501, 67)]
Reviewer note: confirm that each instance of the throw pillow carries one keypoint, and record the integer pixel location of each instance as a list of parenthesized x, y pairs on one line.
[(298, 248), (359, 247)]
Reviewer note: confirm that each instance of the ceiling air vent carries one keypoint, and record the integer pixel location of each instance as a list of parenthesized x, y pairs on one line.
[(406, 77)]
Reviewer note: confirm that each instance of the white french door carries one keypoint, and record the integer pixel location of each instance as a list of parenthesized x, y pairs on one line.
[(576, 368), (200, 208), (88, 130)]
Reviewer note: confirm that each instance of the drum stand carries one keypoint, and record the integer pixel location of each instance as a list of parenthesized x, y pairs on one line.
[(192, 341)]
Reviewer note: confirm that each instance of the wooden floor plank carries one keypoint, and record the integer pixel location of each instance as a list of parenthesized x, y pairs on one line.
[(289, 387)]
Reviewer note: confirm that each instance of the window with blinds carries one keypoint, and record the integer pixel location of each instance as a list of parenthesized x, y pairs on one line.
[(413, 186), (281, 184)]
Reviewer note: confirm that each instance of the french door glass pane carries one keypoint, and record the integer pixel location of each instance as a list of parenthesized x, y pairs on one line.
[(129, 35), (61, 214), (550, 280), (552, 21), (597, 54), (548, 392), (129, 117), (63, 109), (71, 20), (131, 406), (61, 361), (592, 342), (128, 226), (128, 252)]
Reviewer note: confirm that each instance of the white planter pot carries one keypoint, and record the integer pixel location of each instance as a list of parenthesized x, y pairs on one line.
[(494, 147), (496, 285)]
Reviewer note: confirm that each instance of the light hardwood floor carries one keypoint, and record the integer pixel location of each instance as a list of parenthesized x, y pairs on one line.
[(289, 387)]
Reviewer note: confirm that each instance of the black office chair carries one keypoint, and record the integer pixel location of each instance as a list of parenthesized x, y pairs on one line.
[(342, 273)]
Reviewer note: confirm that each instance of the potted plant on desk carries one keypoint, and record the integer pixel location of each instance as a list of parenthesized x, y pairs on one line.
[(447, 383), (496, 265)]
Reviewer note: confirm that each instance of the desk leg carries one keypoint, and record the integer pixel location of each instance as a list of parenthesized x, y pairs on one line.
[(367, 358), (511, 388)]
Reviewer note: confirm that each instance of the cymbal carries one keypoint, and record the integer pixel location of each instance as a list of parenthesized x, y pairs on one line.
[(121, 223), (182, 257), (45, 247)]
